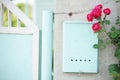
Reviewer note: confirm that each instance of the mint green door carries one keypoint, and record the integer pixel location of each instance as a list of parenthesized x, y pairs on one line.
[(15, 57)]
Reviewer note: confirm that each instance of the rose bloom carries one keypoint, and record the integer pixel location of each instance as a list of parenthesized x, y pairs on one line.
[(96, 27), (90, 17), (96, 12), (99, 6), (107, 11)]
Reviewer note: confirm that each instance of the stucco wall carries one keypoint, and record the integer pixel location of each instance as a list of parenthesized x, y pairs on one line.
[(41, 5), (105, 56)]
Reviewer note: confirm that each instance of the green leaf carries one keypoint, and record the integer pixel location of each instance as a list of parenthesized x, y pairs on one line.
[(118, 44), (113, 67), (117, 31), (113, 35), (109, 33), (114, 70), (100, 41), (117, 21), (102, 22), (107, 22), (113, 29), (101, 44), (95, 46), (117, 1), (117, 53)]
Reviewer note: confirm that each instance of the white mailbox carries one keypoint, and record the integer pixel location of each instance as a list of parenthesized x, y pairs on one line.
[(78, 52)]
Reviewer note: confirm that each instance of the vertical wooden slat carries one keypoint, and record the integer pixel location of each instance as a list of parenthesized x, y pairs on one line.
[(26, 8), (9, 18), (18, 22), (1, 14)]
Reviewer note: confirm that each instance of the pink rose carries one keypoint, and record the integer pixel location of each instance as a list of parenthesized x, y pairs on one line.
[(90, 17), (96, 12), (96, 27), (107, 11), (99, 6)]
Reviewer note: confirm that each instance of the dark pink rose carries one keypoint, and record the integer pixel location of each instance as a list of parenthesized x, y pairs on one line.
[(99, 6), (90, 17), (96, 27), (97, 13), (107, 11)]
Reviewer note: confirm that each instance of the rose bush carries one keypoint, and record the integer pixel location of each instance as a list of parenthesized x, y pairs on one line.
[(113, 36), (99, 27)]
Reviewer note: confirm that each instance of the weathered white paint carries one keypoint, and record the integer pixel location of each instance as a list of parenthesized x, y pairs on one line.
[(9, 18), (35, 55), (1, 14), (14, 30), (18, 22)]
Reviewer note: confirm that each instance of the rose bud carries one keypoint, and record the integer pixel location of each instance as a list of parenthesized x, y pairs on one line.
[(90, 17), (96, 27), (107, 11)]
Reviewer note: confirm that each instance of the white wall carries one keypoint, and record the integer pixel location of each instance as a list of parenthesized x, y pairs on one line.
[(105, 56)]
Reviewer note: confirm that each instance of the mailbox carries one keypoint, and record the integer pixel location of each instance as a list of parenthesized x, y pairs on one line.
[(78, 52)]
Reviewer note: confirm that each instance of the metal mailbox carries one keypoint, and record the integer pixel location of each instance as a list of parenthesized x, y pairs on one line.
[(78, 52)]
